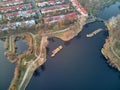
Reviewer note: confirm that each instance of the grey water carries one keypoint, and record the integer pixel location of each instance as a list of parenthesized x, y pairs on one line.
[(80, 65), (110, 11), (22, 46), (6, 69)]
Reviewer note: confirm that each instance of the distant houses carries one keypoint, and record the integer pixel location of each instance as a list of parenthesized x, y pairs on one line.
[(58, 5), (49, 3), (17, 24), (57, 8), (17, 9), (79, 7), (0, 17), (6, 3), (60, 17)]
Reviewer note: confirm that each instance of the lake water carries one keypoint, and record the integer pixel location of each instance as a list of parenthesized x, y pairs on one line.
[(6, 69), (108, 12), (22, 46), (79, 66)]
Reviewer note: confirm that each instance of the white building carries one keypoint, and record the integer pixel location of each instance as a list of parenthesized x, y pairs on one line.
[(0, 17)]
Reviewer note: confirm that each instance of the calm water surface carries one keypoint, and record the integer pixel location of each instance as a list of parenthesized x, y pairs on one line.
[(80, 65), (22, 46), (6, 69), (108, 12)]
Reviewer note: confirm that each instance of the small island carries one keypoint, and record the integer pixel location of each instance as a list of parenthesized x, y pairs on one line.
[(94, 33), (54, 52)]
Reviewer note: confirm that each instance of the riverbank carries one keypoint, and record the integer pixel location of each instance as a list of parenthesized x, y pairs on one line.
[(73, 30), (28, 62), (110, 48)]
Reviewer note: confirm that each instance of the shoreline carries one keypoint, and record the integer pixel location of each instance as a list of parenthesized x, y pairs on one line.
[(108, 51), (20, 82)]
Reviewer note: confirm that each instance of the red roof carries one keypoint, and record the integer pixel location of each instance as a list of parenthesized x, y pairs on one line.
[(80, 7), (8, 14), (29, 11), (51, 2), (21, 7), (29, 5), (55, 17), (46, 19), (15, 14), (72, 15)]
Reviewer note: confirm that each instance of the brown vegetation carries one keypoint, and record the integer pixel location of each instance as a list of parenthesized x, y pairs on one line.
[(109, 48)]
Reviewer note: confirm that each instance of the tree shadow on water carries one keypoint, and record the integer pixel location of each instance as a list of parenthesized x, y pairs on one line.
[(78, 36), (43, 68), (66, 43), (36, 73), (105, 33), (47, 50), (39, 71), (51, 39)]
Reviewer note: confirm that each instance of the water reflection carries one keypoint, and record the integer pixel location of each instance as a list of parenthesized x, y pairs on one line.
[(43, 68), (47, 50), (78, 36), (21, 45), (67, 43), (36, 73), (39, 70), (105, 33), (51, 39)]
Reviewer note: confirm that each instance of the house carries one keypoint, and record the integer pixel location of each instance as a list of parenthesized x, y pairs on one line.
[(51, 2), (30, 22), (58, 7), (11, 2), (16, 14), (60, 17), (79, 7), (18, 24), (8, 15), (0, 17)]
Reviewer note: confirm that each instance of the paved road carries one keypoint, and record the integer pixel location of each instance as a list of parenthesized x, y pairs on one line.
[(34, 42), (10, 43)]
